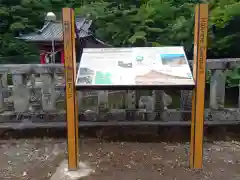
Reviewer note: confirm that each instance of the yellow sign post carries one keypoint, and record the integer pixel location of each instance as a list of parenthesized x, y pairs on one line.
[(199, 68), (70, 77)]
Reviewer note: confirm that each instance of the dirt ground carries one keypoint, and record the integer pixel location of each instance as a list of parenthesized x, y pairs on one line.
[(37, 159)]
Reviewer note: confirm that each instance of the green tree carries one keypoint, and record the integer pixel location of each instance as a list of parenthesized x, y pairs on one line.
[(126, 23), (20, 17), (226, 16)]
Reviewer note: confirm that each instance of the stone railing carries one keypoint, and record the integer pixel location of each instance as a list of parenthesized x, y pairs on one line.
[(33, 95)]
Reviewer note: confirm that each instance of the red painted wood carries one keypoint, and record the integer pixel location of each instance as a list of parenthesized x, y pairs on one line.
[(42, 58)]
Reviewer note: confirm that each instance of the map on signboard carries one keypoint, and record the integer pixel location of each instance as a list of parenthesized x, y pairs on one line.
[(134, 66)]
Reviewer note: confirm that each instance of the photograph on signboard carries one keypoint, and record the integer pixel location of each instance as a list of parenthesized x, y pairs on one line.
[(156, 77), (125, 65), (173, 59), (134, 66), (86, 76)]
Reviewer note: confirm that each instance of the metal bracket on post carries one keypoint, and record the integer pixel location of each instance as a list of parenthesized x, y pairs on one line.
[(199, 71)]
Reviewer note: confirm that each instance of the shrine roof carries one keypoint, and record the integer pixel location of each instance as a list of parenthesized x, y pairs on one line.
[(54, 31)]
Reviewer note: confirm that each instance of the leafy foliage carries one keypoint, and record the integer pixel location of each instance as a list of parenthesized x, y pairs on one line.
[(19, 17), (126, 23)]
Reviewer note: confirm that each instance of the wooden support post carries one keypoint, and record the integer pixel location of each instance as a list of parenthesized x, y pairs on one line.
[(199, 68), (70, 76)]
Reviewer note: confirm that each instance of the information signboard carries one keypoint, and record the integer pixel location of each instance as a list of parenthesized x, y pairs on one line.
[(151, 66)]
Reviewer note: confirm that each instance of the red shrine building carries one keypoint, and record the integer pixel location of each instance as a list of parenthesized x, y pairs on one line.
[(49, 39)]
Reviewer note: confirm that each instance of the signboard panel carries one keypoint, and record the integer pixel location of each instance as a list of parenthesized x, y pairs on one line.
[(151, 66)]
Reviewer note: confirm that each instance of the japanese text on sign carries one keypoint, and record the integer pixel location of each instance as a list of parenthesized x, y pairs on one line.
[(68, 67), (202, 39)]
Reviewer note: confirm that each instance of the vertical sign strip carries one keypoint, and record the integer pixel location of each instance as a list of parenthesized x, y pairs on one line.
[(201, 75), (70, 88), (198, 99), (75, 76), (192, 145)]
